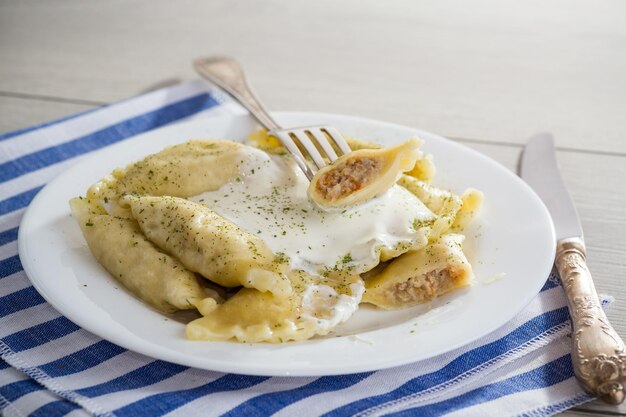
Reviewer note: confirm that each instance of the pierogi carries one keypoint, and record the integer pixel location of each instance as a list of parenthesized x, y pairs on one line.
[(290, 263)]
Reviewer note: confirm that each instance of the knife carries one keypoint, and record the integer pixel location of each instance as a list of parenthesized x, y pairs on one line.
[(598, 353)]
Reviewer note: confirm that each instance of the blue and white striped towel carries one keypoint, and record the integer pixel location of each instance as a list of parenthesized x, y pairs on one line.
[(51, 367)]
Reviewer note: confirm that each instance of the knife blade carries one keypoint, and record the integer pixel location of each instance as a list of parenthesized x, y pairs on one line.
[(540, 170), (598, 353)]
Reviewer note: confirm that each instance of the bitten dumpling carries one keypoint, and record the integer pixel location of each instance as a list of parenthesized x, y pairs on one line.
[(419, 276), (361, 175), (208, 244), (120, 246)]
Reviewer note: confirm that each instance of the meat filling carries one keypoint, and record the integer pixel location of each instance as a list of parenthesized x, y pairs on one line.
[(424, 287), (349, 177)]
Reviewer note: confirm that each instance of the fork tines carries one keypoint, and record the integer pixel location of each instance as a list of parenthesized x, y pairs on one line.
[(312, 140)]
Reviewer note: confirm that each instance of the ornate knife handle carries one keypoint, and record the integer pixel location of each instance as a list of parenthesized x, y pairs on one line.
[(598, 353)]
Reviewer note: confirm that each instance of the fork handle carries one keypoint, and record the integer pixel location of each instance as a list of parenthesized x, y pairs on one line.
[(228, 74)]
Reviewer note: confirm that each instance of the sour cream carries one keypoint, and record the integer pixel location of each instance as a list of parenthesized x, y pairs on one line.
[(327, 309), (269, 199)]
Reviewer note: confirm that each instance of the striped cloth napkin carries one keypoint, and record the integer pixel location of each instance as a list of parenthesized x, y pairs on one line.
[(51, 367)]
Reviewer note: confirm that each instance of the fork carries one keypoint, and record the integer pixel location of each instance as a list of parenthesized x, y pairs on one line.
[(226, 73)]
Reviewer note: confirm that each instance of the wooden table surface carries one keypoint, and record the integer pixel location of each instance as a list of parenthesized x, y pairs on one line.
[(487, 73)]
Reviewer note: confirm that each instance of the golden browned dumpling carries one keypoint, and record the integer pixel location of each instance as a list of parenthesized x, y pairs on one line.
[(208, 244), (419, 276), (316, 307), (149, 273), (181, 170)]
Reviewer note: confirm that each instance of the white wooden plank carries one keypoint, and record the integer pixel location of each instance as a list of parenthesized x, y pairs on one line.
[(495, 70)]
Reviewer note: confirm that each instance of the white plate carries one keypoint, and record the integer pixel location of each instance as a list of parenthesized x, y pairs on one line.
[(513, 235)]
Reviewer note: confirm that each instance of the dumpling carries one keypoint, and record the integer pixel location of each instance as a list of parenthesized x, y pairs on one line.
[(208, 244), (263, 140), (181, 170), (419, 276), (152, 275), (250, 316), (444, 204), (424, 169), (362, 175), (472, 202)]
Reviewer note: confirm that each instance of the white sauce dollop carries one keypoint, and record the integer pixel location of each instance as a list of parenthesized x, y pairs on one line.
[(269, 199), (322, 305)]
